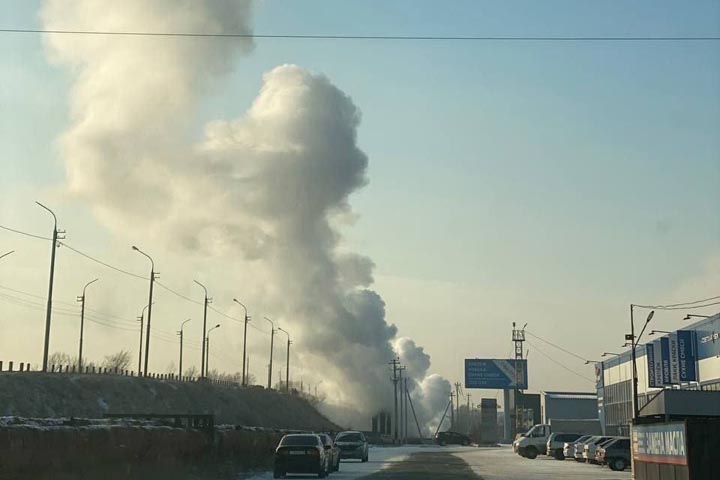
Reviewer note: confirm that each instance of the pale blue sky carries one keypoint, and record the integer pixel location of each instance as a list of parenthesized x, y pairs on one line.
[(573, 169)]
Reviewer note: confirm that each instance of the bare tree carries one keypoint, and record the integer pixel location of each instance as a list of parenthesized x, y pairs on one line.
[(191, 372), (120, 360), (61, 359)]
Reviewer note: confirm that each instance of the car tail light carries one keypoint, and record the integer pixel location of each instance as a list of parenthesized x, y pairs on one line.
[(315, 452)]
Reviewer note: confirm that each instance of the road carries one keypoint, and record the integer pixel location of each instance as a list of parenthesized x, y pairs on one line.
[(467, 463)]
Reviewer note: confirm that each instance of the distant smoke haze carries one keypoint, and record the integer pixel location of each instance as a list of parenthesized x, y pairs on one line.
[(271, 187)]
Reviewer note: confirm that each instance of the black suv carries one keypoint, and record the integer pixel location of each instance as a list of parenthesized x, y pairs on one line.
[(452, 438)]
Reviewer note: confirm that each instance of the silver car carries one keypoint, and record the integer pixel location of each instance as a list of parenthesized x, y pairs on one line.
[(352, 445)]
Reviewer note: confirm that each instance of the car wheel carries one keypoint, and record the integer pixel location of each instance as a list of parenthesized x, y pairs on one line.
[(617, 464), (465, 443), (322, 473), (559, 456), (278, 474), (531, 453), (442, 443), (365, 459)]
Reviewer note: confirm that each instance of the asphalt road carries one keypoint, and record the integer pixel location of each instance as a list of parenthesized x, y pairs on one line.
[(467, 463)]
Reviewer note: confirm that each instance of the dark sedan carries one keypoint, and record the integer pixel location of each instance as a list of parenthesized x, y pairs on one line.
[(452, 438), (300, 453)]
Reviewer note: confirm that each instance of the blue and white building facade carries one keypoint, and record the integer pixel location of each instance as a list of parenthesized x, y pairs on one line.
[(688, 358)]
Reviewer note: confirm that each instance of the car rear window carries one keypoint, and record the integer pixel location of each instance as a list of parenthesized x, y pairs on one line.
[(299, 440), (349, 437)]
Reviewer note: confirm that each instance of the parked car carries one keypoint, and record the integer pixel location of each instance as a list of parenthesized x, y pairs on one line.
[(569, 447), (300, 453), (332, 451), (452, 438), (589, 448), (580, 448), (556, 442), (352, 445), (615, 454)]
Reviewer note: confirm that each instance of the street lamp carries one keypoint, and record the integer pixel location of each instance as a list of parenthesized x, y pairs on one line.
[(203, 367), (7, 253), (272, 338), (247, 319), (287, 366), (48, 313), (588, 362), (207, 352), (605, 354), (141, 320), (181, 348), (149, 309), (653, 332), (690, 316), (635, 341), (81, 299)]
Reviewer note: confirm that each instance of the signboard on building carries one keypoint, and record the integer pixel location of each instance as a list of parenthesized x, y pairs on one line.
[(650, 356), (687, 356), (495, 374), (674, 359), (665, 354), (658, 363), (660, 443)]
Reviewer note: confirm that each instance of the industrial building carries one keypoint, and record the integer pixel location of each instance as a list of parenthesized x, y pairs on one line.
[(685, 359)]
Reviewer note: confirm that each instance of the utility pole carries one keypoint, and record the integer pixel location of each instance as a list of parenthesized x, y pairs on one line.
[(518, 337), (452, 411), (247, 319), (287, 360), (405, 420), (395, 364), (48, 313), (150, 303), (272, 340), (469, 416), (81, 299), (180, 370), (207, 350), (457, 405), (141, 320), (400, 392), (203, 363)]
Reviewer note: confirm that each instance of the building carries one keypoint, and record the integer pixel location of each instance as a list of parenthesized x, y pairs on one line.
[(570, 406), (686, 359)]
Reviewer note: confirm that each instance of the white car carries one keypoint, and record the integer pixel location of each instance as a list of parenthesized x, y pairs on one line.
[(556, 442), (590, 447), (569, 447)]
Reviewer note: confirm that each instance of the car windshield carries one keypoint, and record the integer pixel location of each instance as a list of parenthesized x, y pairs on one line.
[(349, 437), (299, 440)]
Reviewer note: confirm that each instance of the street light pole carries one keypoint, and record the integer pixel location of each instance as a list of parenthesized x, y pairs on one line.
[(149, 307), (203, 367), (48, 313), (181, 348), (287, 366), (82, 323), (272, 338), (207, 340), (141, 320), (244, 374), (634, 341)]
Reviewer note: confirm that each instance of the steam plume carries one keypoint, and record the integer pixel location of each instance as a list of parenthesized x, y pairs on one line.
[(271, 187)]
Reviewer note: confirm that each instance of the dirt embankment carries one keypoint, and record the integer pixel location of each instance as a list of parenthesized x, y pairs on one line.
[(38, 395)]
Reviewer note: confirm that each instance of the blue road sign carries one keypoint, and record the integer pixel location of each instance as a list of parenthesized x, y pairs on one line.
[(494, 373)]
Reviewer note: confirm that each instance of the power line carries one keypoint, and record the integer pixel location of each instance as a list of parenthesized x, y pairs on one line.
[(557, 346), (560, 363), (178, 294), (424, 38), (680, 306), (25, 233), (117, 269)]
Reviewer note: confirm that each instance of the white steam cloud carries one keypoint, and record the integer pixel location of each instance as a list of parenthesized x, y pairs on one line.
[(271, 186)]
